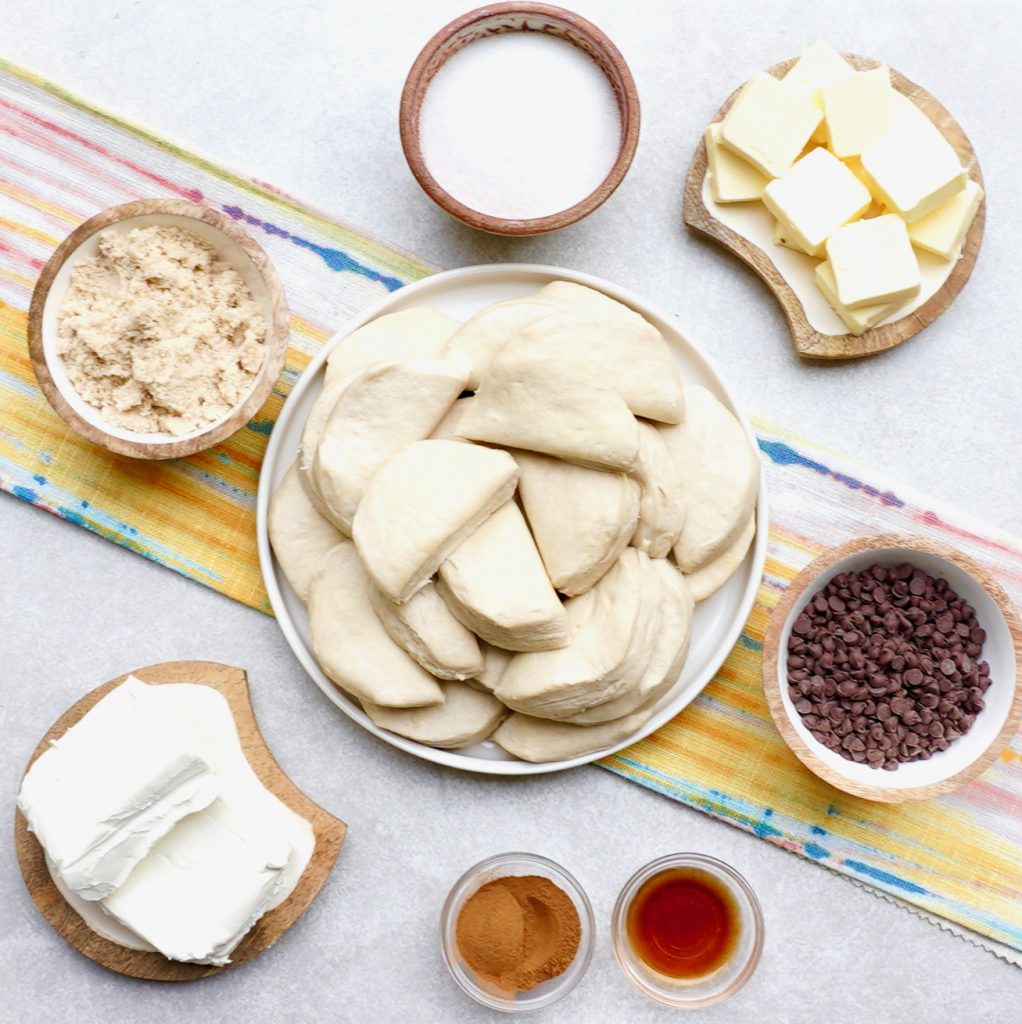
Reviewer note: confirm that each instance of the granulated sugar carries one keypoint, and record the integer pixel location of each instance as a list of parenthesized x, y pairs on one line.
[(520, 124)]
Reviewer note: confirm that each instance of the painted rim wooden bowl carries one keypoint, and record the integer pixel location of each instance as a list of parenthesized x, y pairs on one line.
[(329, 831), (967, 756), (809, 342), (517, 17), (233, 244)]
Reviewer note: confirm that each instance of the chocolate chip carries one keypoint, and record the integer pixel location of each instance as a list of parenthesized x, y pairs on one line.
[(883, 665)]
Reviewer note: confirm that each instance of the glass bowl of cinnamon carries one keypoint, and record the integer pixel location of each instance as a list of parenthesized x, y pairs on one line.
[(517, 932)]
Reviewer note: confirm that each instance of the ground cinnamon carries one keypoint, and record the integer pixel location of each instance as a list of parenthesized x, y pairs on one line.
[(517, 932)]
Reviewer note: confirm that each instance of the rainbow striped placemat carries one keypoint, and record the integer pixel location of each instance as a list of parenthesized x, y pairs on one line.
[(957, 859)]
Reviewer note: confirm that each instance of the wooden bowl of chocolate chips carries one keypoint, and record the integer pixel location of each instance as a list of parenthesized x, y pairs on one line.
[(892, 668)]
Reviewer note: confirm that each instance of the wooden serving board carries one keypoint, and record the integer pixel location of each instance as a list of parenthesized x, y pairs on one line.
[(329, 831), (809, 342)]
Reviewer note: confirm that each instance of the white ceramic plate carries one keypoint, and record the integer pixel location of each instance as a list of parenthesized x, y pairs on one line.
[(460, 293)]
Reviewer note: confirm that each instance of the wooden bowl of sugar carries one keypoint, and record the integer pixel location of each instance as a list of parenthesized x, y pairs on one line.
[(519, 118), (229, 250)]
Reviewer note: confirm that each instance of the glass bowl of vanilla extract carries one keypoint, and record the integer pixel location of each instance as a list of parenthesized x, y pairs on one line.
[(687, 930)]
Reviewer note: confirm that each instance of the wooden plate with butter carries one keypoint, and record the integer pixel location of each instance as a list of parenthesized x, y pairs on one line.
[(812, 196)]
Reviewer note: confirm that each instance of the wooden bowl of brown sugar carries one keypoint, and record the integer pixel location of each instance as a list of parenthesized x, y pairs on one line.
[(255, 281), (892, 668)]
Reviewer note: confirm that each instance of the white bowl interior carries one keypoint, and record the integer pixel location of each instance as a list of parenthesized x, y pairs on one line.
[(225, 247), (998, 650), (460, 293)]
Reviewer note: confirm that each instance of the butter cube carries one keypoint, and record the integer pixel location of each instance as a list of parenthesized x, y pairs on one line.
[(859, 109), (816, 197), (858, 321), (873, 262), (820, 65), (732, 180), (784, 237), (854, 164), (768, 125), (943, 231), (914, 169)]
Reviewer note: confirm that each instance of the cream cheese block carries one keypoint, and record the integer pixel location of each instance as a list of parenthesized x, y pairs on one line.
[(943, 230), (495, 584), (421, 504), (408, 334), (914, 169), (769, 125), (873, 263), (108, 790), (204, 885), (814, 198), (732, 180)]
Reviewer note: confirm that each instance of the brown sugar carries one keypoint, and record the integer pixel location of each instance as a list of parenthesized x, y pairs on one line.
[(517, 932)]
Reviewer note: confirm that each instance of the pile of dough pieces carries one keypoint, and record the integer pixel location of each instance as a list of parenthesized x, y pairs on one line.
[(501, 527)]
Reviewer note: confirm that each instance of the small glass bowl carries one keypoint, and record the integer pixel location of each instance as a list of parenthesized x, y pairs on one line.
[(692, 993), (501, 866)]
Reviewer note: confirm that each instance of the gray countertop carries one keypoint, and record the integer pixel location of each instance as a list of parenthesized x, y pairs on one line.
[(304, 95)]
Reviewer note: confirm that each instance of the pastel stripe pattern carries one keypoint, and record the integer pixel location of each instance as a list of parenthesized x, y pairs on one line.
[(958, 859), (61, 161)]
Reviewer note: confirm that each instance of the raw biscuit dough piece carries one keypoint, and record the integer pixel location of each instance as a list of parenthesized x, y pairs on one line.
[(478, 340), (662, 506), (623, 353), (719, 471), (312, 432), (494, 582), (351, 645), (421, 504), (465, 716), (495, 661), (300, 536), (543, 405), (705, 582), (539, 739), (383, 408), (610, 644), (449, 428), (582, 519), (426, 629), (671, 639), (407, 334)]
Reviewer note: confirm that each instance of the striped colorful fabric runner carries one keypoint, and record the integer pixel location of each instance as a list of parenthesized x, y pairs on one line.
[(958, 858)]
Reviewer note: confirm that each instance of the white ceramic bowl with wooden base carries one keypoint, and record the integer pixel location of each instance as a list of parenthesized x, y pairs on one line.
[(233, 244), (517, 16), (968, 755)]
